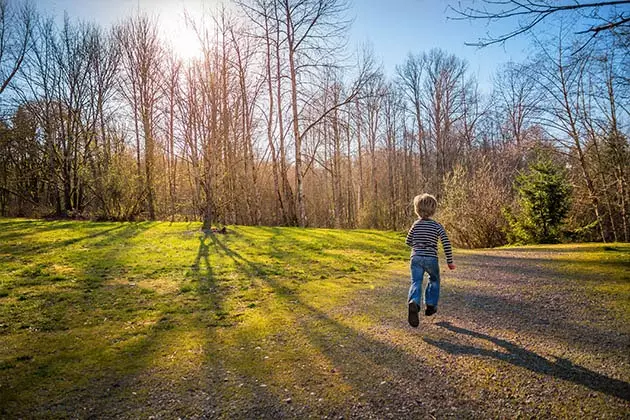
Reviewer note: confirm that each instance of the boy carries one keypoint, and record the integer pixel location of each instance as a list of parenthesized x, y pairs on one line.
[(422, 238)]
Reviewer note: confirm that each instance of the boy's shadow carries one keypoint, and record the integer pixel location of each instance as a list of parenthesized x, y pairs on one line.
[(518, 356)]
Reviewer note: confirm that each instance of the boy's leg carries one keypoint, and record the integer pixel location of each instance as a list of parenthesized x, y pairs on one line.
[(413, 300), (432, 292), (417, 273)]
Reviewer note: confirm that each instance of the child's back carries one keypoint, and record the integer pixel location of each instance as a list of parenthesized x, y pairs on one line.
[(423, 240)]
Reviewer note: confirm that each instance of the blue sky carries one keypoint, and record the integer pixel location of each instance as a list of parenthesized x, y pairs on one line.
[(393, 27), (398, 27)]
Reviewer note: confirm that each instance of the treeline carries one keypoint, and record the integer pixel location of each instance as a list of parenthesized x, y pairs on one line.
[(273, 126)]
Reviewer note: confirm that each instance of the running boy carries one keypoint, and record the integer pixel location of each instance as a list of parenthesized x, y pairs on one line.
[(422, 238)]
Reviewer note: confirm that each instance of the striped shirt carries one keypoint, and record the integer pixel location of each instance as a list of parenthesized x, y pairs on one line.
[(423, 237)]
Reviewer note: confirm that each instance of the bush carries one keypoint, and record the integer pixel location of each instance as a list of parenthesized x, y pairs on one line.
[(471, 209)]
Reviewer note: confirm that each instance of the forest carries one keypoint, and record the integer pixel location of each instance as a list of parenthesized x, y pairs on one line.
[(280, 123)]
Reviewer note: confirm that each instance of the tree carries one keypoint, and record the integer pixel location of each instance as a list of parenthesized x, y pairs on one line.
[(410, 75), (543, 198), (443, 104), (20, 179), (559, 77), (533, 12), (472, 207), (142, 60), (309, 25), (104, 58), (516, 100), (16, 36)]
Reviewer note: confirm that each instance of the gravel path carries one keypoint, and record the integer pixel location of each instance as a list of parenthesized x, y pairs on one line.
[(515, 336)]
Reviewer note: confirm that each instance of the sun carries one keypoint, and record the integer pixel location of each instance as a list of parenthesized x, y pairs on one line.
[(176, 29), (185, 43)]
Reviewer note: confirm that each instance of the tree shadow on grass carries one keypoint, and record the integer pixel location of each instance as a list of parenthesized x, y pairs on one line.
[(203, 258), (207, 286), (361, 352), (382, 377), (41, 247), (55, 377), (518, 356), (526, 269)]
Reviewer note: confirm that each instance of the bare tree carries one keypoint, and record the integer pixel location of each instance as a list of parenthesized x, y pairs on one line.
[(558, 76), (443, 106), (171, 95), (249, 88), (532, 12), (411, 74), (516, 99), (103, 60), (309, 25), (373, 113), (41, 75), (142, 67), (392, 113), (17, 23)]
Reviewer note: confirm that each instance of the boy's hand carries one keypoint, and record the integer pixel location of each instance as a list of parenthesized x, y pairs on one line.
[(451, 266)]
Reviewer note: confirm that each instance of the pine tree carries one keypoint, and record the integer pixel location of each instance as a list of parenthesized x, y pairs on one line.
[(543, 198)]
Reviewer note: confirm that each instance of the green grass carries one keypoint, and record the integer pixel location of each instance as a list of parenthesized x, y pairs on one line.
[(85, 304), (142, 319)]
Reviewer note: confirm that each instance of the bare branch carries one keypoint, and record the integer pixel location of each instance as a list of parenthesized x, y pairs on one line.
[(533, 12)]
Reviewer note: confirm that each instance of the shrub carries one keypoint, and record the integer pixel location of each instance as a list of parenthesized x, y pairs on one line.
[(471, 209)]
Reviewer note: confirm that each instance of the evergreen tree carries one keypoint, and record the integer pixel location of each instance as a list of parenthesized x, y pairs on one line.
[(543, 198)]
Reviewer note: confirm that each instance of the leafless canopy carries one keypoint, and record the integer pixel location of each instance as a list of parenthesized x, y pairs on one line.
[(16, 26), (532, 12)]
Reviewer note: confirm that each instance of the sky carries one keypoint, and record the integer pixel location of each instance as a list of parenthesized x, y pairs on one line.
[(394, 28), (399, 27)]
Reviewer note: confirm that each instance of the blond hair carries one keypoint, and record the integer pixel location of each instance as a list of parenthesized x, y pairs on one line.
[(424, 205)]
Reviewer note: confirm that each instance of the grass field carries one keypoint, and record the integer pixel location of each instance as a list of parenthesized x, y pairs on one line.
[(141, 320)]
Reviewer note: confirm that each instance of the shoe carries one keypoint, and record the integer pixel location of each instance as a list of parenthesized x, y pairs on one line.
[(414, 321), (430, 310)]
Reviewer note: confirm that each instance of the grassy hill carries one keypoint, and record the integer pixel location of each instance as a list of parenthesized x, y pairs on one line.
[(136, 320)]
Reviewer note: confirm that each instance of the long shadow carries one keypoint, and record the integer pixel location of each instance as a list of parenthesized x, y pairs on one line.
[(364, 351), (360, 352), (517, 289), (39, 248), (11, 228), (532, 269), (109, 371), (518, 356), (207, 286), (297, 250), (203, 256), (556, 321), (251, 268), (373, 241)]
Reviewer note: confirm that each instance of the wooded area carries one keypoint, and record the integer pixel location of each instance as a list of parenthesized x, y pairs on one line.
[(280, 124)]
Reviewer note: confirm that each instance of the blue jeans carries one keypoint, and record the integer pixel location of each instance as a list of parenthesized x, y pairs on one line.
[(420, 265)]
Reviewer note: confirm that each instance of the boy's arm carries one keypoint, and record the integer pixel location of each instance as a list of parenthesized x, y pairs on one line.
[(409, 240), (446, 244)]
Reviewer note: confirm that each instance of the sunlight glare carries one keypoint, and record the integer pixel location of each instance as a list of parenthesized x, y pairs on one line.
[(185, 43), (176, 31)]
